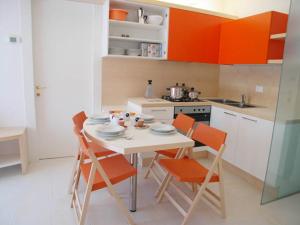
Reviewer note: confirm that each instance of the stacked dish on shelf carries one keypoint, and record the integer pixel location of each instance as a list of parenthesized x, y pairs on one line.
[(122, 51), (116, 51)]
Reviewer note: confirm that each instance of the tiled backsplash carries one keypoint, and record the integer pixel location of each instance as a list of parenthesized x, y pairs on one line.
[(125, 78), (236, 80)]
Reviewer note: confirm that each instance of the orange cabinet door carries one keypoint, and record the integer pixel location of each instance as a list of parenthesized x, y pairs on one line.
[(194, 37), (247, 40)]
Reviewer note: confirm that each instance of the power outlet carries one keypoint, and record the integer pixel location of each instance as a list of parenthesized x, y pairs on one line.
[(259, 89)]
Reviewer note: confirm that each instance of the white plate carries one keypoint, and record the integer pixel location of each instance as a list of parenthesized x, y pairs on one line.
[(104, 135), (162, 133), (110, 129), (163, 128), (103, 116)]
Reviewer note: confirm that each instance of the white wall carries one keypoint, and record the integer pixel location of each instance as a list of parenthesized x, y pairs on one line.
[(250, 7), (12, 103)]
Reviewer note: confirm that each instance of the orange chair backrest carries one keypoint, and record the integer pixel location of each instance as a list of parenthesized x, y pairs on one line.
[(79, 119), (183, 123), (209, 136)]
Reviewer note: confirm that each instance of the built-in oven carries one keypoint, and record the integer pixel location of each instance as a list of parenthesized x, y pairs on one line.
[(201, 114)]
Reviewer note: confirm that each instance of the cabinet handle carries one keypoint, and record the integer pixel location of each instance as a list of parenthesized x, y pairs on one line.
[(230, 114), (252, 120)]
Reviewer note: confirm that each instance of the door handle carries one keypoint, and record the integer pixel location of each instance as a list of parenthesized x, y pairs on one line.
[(38, 89)]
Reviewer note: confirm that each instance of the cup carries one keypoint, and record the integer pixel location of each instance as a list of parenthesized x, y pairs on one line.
[(121, 122), (140, 123)]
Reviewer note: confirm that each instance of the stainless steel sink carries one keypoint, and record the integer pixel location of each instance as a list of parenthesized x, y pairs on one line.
[(241, 105), (223, 101), (231, 103)]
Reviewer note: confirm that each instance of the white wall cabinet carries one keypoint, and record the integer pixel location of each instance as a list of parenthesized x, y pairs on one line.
[(248, 142), (130, 34)]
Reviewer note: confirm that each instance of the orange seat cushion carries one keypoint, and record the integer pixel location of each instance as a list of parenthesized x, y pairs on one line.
[(116, 167), (187, 170), (171, 153)]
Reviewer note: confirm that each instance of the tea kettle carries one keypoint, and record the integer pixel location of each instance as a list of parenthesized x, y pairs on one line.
[(141, 13)]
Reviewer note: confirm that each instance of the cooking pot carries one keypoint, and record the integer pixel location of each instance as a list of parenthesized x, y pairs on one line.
[(176, 92), (194, 94)]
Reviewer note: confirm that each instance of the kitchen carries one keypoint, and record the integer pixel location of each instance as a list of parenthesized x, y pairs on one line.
[(206, 62)]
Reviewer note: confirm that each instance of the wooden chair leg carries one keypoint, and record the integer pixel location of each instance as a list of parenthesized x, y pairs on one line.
[(221, 190), (74, 170), (87, 195), (164, 188), (75, 185), (151, 165), (194, 187), (161, 185), (195, 201)]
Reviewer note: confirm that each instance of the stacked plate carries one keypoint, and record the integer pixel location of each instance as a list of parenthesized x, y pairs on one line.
[(163, 129), (147, 118), (116, 51), (98, 119), (110, 131)]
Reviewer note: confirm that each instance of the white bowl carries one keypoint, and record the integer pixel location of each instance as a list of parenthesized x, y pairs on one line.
[(155, 19)]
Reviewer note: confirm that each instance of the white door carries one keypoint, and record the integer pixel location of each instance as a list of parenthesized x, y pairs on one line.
[(63, 67)]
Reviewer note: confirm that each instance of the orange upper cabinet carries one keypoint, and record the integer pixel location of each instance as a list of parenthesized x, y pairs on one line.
[(193, 36), (248, 40)]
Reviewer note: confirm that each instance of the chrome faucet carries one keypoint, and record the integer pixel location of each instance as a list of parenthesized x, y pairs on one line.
[(243, 102)]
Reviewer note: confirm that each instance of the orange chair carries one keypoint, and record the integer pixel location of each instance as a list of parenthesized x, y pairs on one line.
[(78, 121), (190, 171), (98, 174), (183, 124)]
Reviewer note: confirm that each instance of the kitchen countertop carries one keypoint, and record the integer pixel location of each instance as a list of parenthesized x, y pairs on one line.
[(259, 112)]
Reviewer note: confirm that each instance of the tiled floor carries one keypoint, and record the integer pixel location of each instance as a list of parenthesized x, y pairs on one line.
[(40, 198)]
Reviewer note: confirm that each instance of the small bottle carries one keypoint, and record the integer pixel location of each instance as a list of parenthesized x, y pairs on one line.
[(149, 90)]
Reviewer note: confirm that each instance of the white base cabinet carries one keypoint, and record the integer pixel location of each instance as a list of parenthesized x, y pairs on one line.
[(248, 141), (226, 121)]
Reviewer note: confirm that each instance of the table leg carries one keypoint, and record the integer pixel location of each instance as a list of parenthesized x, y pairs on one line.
[(133, 184)]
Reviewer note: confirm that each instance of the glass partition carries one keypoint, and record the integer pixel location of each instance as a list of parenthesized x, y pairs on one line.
[(283, 174)]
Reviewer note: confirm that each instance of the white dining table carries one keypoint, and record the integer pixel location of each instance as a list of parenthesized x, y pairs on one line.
[(140, 141)]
